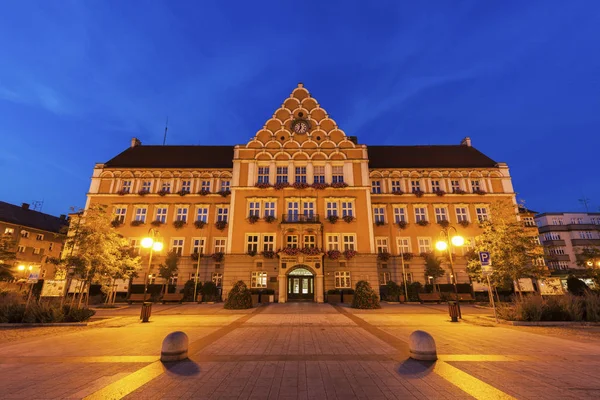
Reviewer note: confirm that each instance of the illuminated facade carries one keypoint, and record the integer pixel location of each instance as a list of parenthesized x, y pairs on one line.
[(302, 208)]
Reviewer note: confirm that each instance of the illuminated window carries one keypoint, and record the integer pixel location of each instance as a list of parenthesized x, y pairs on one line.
[(342, 279), (161, 214), (252, 243), (263, 174), (337, 174), (258, 280), (202, 214), (177, 246), (403, 245), (300, 175), (310, 241), (126, 187), (400, 214), (319, 174), (182, 213), (381, 244), (376, 187), (186, 186), (349, 241), (424, 245), (140, 214), (292, 241), (282, 175), (333, 242), (220, 245), (268, 242)]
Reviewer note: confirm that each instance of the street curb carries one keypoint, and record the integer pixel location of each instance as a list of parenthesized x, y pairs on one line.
[(543, 323), (27, 325)]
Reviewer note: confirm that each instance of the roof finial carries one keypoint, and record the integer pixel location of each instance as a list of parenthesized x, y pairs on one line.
[(300, 84)]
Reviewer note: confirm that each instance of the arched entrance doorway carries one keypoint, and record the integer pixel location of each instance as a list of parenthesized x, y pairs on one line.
[(300, 284)]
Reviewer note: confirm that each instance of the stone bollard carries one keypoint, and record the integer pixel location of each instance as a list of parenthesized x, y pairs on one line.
[(422, 346), (174, 347)]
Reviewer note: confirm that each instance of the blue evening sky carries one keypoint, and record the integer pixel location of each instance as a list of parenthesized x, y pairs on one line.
[(79, 78)]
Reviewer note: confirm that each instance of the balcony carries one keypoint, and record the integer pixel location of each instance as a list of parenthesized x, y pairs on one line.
[(555, 242), (585, 242), (299, 219)]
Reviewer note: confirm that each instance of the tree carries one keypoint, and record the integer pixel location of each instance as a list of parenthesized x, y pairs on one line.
[(169, 268), (8, 255), (512, 248), (433, 268), (98, 251)]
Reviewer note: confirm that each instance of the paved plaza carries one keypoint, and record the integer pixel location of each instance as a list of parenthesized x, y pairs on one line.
[(298, 351)]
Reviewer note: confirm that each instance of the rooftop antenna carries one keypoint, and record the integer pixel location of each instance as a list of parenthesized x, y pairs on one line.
[(586, 202), (37, 205), (166, 128)]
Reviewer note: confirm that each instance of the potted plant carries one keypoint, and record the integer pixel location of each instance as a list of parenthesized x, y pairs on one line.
[(268, 254), (458, 191), (123, 192), (156, 222), (349, 254), (334, 296), (332, 218), (339, 185), (423, 222), (183, 192), (334, 254), (424, 254), (379, 222), (310, 251), (224, 193), (163, 192), (393, 292), (270, 219), (143, 192), (116, 223), (383, 256), (402, 224), (464, 223), (347, 296), (137, 222), (479, 192), (398, 192), (263, 185), (253, 219), (440, 193), (199, 224), (300, 185), (319, 186), (218, 257), (252, 253), (290, 251), (178, 224), (221, 225), (407, 256), (418, 193), (281, 185), (204, 192), (195, 256), (444, 223), (348, 218)]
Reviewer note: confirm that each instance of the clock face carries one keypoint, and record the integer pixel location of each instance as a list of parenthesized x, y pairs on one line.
[(300, 127)]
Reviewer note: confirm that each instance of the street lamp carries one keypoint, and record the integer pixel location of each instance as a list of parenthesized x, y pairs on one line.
[(151, 243), (445, 243), (403, 270)]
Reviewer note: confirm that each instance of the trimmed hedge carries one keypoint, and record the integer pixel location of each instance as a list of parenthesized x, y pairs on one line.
[(365, 297), (239, 297)]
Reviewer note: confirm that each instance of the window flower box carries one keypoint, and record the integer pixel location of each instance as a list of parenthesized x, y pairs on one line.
[(348, 218), (379, 223), (136, 222), (199, 224), (263, 185), (310, 251), (339, 185), (179, 224), (281, 185), (204, 192), (123, 192), (163, 192), (300, 185), (398, 192), (334, 254), (290, 251), (479, 192), (116, 223), (270, 219), (402, 224), (252, 253), (268, 254), (221, 225), (384, 256), (143, 192), (425, 254), (224, 193), (253, 219), (218, 257), (423, 222), (350, 254), (195, 256), (419, 193), (157, 222), (333, 218), (407, 256), (319, 186), (458, 191), (440, 193), (464, 223), (444, 223), (183, 192)]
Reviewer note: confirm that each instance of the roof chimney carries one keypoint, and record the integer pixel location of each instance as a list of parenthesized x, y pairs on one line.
[(62, 217), (135, 142), (466, 141), (25, 206)]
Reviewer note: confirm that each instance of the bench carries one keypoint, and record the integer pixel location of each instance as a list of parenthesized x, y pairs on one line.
[(429, 297), (465, 297), (177, 297), (137, 297)]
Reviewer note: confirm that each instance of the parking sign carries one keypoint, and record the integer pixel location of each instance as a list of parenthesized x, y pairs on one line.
[(484, 257)]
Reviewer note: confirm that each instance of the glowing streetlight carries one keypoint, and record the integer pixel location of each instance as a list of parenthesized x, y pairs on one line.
[(445, 244), (21, 268), (458, 241), (149, 242), (441, 246)]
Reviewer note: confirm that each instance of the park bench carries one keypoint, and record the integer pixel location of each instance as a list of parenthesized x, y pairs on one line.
[(429, 297), (465, 297), (137, 297), (177, 297)]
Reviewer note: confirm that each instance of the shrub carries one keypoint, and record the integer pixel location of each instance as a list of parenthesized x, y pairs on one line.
[(383, 256), (349, 254), (209, 291), (239, 297), (553, 308), (188, 290), (11, 312), (576, 286), (268, 254), (77, 314), (413, 291), (393, 291), (592, 307), (365, 297), (334, 254), (136, 222)]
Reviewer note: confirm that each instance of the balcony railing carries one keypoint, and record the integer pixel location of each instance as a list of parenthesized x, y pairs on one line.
[(300, 219)]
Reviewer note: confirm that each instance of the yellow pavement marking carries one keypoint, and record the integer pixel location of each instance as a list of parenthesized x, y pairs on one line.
[(124, 386), (468, 383), (485, 357)]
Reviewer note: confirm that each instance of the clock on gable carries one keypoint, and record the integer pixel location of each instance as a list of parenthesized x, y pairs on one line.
[(300, 126)]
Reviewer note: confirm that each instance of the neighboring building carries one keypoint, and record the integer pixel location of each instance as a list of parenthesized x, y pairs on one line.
[(322, 189), (36, 237), (565, 235)]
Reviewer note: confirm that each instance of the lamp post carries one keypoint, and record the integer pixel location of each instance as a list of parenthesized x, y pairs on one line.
[(446, 243), (151, 243), (197, 271), (403, 270)]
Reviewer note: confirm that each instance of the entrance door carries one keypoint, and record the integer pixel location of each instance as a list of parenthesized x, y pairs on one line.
[(301, 285)]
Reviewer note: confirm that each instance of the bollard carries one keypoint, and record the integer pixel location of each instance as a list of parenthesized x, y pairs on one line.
[(174, 347), (146, 311), (453, 311), (422, 346)]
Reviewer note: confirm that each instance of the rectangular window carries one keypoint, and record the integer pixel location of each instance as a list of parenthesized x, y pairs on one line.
[(161, 214), (441, 214), (529, 221), (51, 247), (166, 187), (292, 241), (310, 241), (435, 186), (217, 279), (400, 214), (420, 214), (551, 236), (333, 242), (225, 186), (293, 211), (254, 209), (475, 185), (177, 246), (222, 213), (556, 250), (585, 235), (268, 242), (146, 186), (461, 214), (396, 186), (258, 280), (384, 278), (403, 245), (347, 209), (39, 236), (415, 186), (186, 186), (182, 213), (36, 250), (269, 209), (319, 174), (24, 234), (202, 214), (252, 243), (198, 246), (536, 240), (263, 174), (120, 214), (300, 175), (140, 214), (220, 245), (126, 187), (342, 279), (9, 231), (482, 214), (337, 174), (424, 245), (205, 187), (331, 208), (173, 279), (282, 175), (455, 186), (308, 209), (376, 187), (21, 249), (381, 244), (349, 241), (135, 246), (379, 215)]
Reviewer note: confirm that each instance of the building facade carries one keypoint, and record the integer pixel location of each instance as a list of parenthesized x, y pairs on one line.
[(34, 236), (302, 208), (566, 235)]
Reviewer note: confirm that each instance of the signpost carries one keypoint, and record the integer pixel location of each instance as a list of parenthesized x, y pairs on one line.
[(486, 270)]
